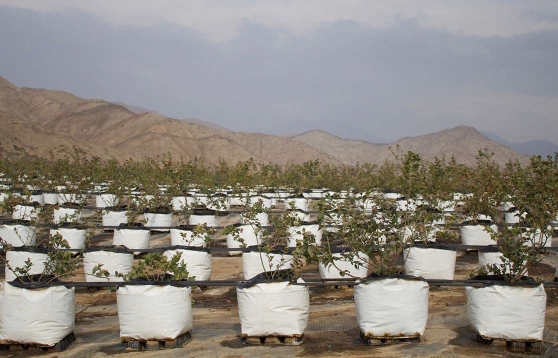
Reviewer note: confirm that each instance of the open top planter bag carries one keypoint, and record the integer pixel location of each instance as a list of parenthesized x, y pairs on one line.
[(17, 234), (114, 216), (18, 256), (134, 237), (106, 200), (477, 235), (74, 236), (273, 308), (247, 237), (153, 311), (261, 218), (342, 267), (198, 260), (113, 260), (392, 306), (26, 212), (491, 255), (203, 216), (297, 203), (185, 236), (430, 261), (41, 316), (296, 233), (255, 262), (504, 311), (67, 214), (159, 218)]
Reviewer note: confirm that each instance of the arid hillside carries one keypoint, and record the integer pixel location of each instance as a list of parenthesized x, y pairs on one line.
[(461, 142), (39, 122)]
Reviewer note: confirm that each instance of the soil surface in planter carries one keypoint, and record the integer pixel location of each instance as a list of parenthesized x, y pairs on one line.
[(332, 327)]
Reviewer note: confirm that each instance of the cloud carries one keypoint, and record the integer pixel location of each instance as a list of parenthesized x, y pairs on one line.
[(222, 20), (354, 80)]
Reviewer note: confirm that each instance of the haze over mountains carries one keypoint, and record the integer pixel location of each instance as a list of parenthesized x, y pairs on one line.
[(37, 121)]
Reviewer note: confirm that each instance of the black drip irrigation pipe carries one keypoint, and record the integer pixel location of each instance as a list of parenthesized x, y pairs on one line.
[(458, 247), (233, 283)]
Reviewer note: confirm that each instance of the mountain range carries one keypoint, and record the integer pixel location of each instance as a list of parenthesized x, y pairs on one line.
[(38, 122), (533, 147)]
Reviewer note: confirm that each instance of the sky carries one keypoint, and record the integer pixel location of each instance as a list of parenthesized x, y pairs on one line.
[(370, 70)]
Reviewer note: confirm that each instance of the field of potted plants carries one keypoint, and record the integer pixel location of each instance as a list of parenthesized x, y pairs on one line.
[(389, 231)]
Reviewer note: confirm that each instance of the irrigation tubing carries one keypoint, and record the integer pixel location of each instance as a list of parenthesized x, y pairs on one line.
[(309, 282)]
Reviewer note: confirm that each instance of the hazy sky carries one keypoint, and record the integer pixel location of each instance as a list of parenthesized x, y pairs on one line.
[(373, 70)]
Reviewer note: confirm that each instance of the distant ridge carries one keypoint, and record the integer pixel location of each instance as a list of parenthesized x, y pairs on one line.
[(140, 110), (35, 122), (533, 147), (461, 142)]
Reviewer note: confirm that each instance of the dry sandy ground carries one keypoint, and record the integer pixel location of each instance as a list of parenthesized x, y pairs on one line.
[(332, 329)]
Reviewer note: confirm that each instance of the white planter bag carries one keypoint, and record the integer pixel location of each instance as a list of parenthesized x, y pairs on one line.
[(69, 215), (148, 312), (219, 203), (186, 237), (36, 316), (114, 218), (25, 212), (491, 255), (254, 263), (332, 221), (296, 233), (72, 198), (132, 238), (507, 312), (540, 239), (273, 309), (106, 200), (50, 198), (436, 262), (343, 264), (158, 220), (248, 236), (299, 204), (266, 202), (179, 203), (476, 235), (262, 218), (272, 199), (198, 262), (238, 201), (37, 198), (410, 231), (392, 307), (112, 261), (17, 259), (74, 236), (300, 216), (209, 220), (18, 235)]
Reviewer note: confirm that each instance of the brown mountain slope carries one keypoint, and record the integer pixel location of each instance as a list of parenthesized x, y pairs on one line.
[(41, 120), (461, 142), (20, 136)]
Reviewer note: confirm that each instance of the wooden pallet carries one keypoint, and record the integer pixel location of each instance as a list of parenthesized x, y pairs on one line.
[(274, 340), (529, 347), (151, 345), (386, 340), (58, 347)]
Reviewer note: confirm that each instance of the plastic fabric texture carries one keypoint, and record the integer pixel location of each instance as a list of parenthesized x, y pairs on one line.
[(273, 309), (392, 307), (507, 312), (154, 312), (41, 316)]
